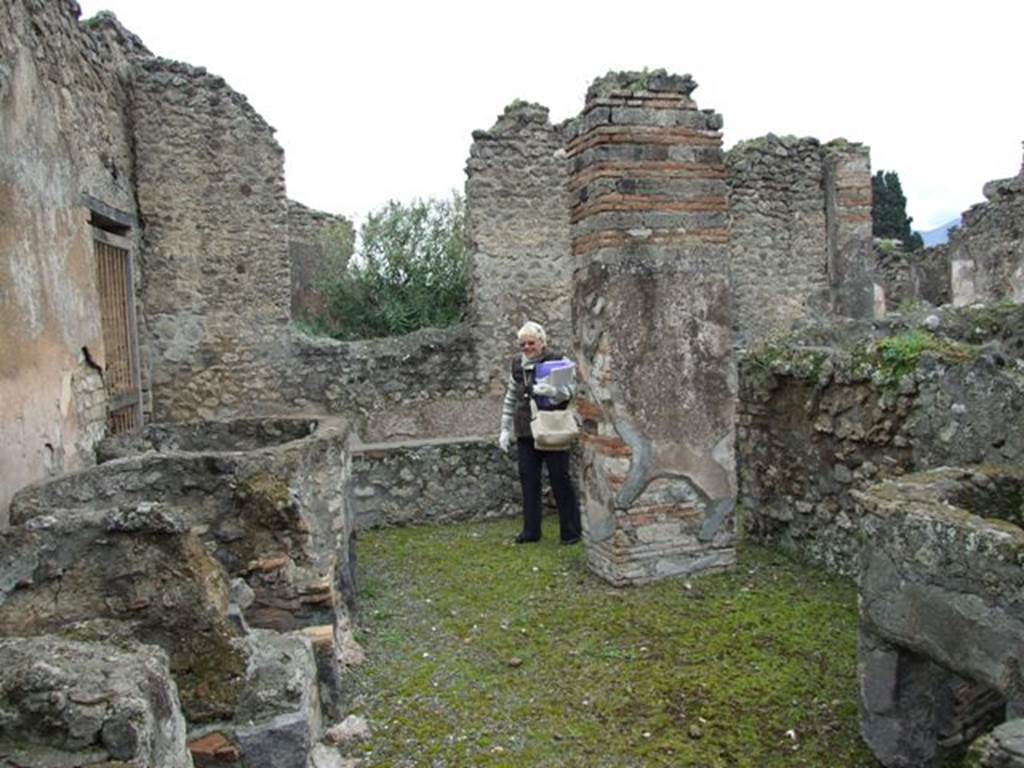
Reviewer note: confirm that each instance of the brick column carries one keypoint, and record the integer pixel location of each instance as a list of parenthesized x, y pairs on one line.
[(848, 228), (652, 319)]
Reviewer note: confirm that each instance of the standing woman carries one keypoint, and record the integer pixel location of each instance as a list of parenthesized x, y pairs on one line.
[(515, 421)]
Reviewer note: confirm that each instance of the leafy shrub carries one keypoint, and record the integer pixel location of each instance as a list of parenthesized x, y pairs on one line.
[(408, 272)]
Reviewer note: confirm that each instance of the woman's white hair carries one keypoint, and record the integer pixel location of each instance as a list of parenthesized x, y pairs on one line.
[(532, 330)]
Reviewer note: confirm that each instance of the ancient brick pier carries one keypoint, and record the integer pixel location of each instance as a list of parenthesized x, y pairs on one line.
[(652, 317)]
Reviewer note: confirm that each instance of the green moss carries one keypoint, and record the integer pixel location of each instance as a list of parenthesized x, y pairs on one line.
[(887, 246), (209, 672), (483, 653), (802, 362), (841, 143), (897, 357)]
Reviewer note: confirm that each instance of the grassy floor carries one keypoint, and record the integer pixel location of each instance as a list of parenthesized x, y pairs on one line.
[(483, 653)]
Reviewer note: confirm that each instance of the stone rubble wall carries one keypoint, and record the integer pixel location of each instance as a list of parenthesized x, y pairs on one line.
[(210, 185), (657, 392), (987, 249), (433, 481), (517, 229), (197, 538), (799, 233), (424, 384), (63, 101), (825, 417), (314, 241)]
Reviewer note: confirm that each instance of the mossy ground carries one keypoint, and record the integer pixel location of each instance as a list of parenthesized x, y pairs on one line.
[(483, 653)]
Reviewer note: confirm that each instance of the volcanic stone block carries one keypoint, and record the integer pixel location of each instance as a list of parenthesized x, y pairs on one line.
[(940, 597), (66, 703), (278, 721), (1003, 748), (129, 574), (652, 313)]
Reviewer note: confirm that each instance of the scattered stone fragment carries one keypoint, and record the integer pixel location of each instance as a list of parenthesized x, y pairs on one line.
[(352, 728)]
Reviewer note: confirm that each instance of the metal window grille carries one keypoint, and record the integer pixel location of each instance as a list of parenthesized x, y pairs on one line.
[(120, 341)]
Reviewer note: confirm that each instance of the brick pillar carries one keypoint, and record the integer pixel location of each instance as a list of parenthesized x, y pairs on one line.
[(652, 318), (848, 228)]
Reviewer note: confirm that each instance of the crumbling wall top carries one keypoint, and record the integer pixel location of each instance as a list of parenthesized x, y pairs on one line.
[(519, 115), (106, 25), (627, 84)]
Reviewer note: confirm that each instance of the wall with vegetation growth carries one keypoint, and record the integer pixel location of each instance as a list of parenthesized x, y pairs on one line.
[(821, 417)]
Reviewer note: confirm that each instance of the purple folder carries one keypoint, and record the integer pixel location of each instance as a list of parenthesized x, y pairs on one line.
[(542, 371)]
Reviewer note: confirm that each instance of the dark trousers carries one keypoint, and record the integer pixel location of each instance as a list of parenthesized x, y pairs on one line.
[(530, 461)]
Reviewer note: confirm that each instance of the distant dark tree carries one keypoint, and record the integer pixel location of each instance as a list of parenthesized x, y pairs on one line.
[(889, 211)]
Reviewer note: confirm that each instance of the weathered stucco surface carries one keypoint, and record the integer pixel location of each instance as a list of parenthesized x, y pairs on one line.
[(63, 132)]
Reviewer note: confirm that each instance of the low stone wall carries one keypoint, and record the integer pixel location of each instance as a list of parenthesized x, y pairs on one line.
[(274, 515), (822, 417), (940, 590), (433, 481), (425, 384), (182, 538)]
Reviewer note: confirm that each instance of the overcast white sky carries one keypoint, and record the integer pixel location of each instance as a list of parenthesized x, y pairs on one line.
[(377, 99)]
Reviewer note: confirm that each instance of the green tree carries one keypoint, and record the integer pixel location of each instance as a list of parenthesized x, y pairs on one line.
[(408, 272), (889, 211)]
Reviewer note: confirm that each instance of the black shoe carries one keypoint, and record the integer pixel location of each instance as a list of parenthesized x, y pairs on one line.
[(522, 538), (567, 542)]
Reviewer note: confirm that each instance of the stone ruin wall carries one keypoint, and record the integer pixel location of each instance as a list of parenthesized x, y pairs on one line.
[(517, 224), (210, 183), (215, 290), (987, 250), (217, 257), (64, 132), (800, 227), (315, 239), (911, 278)]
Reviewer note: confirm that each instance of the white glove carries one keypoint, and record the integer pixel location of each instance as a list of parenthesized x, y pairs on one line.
[(504, 439), (544, 389)]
